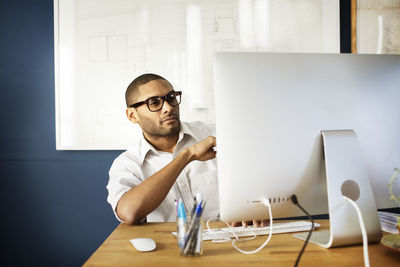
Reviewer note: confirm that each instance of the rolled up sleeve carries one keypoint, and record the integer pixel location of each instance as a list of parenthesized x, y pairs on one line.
[(123, 175)]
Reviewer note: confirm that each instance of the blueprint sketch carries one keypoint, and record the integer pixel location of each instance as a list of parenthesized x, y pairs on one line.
[(101, 46)]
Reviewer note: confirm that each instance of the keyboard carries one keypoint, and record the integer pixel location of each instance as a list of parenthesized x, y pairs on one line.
[(277, 228)]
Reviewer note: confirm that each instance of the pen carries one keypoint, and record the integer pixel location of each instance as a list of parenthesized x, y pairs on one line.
[(193, 228), (198, 239), (196, 199), (182, 223), (194, 208)]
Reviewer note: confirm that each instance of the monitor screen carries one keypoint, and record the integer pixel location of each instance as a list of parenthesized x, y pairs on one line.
[(270, 111)]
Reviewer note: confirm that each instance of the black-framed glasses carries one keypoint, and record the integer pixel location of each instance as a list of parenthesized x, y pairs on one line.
[(156, 103)]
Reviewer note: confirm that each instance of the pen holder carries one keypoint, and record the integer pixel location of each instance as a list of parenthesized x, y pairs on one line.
[(190, 228), (191, 243)]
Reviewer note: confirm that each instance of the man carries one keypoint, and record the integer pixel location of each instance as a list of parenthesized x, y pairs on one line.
[(172, 160)]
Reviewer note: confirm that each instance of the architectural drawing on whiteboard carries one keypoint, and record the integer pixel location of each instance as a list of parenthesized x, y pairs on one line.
[(107, 47), (225, 30)]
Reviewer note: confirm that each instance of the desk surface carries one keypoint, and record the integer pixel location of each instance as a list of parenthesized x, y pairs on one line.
[(282, 250)]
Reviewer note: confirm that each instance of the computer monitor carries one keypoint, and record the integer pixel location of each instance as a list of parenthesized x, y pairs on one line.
[(270, 111)]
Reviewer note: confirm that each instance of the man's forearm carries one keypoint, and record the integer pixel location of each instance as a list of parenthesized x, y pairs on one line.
[(139, 201)]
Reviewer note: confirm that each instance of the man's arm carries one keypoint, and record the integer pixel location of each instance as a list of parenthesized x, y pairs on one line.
[(139, 201)]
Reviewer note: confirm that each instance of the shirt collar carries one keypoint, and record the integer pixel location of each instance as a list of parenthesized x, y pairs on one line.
[(186, 130), (145, 146)]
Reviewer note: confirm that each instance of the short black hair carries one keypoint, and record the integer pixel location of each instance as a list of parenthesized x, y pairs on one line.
[(132, 92)]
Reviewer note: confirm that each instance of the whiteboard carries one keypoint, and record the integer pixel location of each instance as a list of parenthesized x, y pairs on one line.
[(102, 45)]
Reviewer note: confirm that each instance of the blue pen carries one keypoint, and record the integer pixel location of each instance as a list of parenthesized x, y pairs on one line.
[(199, 210), (182, 211), (199, 240), (181, 223)]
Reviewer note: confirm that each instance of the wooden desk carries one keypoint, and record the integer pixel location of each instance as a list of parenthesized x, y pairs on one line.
[(281, 251)]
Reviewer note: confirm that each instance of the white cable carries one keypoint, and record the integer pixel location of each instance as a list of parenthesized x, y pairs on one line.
[(227, 239), (363, 231), (266, 203)]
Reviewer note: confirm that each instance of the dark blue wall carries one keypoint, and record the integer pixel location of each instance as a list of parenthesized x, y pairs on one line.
[(54, 209)]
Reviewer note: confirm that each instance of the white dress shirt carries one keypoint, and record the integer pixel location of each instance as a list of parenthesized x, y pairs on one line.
[(142, 160)]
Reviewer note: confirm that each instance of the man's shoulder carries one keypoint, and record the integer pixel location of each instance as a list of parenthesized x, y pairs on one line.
[(129, 156), (201, 128)]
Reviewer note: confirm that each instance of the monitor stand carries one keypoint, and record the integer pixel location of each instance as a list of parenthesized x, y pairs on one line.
[(346, 175)]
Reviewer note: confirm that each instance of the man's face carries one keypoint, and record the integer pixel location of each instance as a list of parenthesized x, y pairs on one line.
[(164, 122)]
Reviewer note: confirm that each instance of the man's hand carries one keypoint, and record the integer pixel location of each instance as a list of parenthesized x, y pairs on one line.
[(256, 223), (140, 200), (203, 150)]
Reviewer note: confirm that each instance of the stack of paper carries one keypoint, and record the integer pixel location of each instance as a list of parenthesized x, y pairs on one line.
[(390, 222)]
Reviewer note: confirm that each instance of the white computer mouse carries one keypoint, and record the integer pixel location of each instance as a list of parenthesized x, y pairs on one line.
[(143, 244)]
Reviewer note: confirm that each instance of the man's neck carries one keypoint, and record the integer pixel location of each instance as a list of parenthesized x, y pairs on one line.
[(163, 143)]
